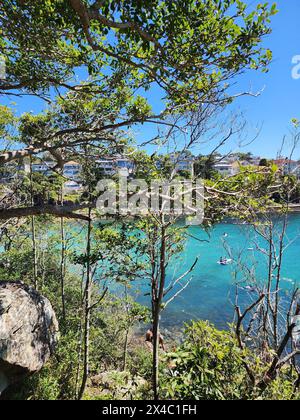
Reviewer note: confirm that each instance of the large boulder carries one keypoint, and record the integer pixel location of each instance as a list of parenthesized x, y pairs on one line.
[(28, 332)]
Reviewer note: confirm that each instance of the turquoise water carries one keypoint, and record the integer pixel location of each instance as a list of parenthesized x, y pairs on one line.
[(210, 294)]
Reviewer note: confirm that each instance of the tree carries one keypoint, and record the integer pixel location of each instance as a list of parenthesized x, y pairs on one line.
[(142, 45), (163, 241), (188, 52), (263, 162), (265, 322), (204, 167), (157, 42)]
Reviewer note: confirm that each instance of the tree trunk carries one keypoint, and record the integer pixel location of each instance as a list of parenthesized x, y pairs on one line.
[(87, 312), (33, 233), (125, 350), (80, 340), (156, 312), (278, 279), (127, 330), (62, 262), (34, 254), (155, 360), (62, 270)]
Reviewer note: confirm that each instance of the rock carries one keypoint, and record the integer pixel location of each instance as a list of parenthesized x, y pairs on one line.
[(28, 332)]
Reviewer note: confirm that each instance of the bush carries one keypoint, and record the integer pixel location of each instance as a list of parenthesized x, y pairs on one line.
[(140, 362), (207, 366)]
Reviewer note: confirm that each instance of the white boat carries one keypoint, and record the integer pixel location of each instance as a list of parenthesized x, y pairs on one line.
[(251, 289), (225, 262)]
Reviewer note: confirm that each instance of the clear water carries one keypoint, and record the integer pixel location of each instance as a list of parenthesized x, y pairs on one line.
[(211, 291), (210, 294)]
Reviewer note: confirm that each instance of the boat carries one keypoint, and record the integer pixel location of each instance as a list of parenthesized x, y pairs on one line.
[(250, 289), (225, 262)]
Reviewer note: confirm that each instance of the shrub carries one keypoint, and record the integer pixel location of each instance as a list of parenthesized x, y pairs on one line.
[(207, 366)]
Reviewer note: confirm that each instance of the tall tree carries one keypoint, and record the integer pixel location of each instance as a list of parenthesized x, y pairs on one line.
[(188, 49)]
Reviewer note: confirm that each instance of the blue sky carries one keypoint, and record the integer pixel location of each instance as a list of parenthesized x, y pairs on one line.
[(270, 114), (280, 101), (275, 107)]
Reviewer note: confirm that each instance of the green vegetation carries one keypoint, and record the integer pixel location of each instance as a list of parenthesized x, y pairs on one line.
[(209, 365), (96, 64)]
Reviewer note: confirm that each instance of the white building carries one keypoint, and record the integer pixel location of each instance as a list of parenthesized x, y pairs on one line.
[(72, 186), (72, 171), (183, 162), (106, 166), (255, 161), (45, 168), (116, 165), (226, 168)]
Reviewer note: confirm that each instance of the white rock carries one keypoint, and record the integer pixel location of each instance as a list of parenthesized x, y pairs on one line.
[(28, 332)]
